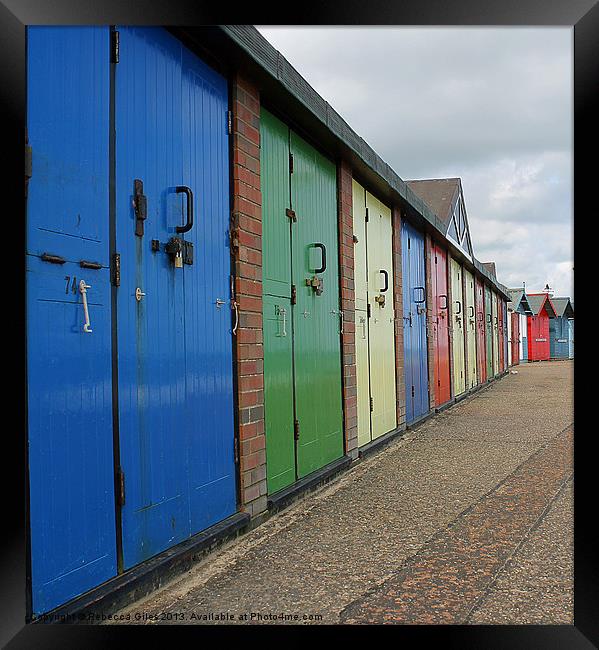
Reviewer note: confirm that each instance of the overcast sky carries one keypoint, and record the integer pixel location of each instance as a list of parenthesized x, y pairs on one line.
[(490, 105)]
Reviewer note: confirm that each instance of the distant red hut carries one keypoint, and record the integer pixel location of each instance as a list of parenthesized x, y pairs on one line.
[(538, 326)]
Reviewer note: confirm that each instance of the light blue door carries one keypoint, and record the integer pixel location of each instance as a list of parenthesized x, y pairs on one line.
[(174, 317), (174, 338), (70, 437)]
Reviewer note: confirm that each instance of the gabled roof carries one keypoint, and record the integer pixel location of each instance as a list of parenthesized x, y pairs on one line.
[(563, 307), (539, 300), (490, 266), (444, 196), (519, 302)]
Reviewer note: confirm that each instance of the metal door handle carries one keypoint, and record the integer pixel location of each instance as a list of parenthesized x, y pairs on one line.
[(219, 302), (341, 317), (236, 308), (445, 305), (459, 304), (423, 294), (324, 258), (83, 289), (187, 190), (386, 280), (363, 321), (283, 312)]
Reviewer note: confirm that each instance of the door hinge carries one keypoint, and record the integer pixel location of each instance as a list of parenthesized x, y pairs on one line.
[(229, 122), (115, 46), (412, 391), (371, 405), (28, 165), (290, 163), (435, 259), (120, 487), (116, 269), (368, 310), (291, 214), (236, 451), (293, 294), (366, 215), (408, 243), (296, 429)]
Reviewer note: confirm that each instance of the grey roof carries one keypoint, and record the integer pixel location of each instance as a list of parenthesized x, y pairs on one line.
[(518, 301), (281, 84), (563, 307), (490, 266), (537, 301), (438, 193)]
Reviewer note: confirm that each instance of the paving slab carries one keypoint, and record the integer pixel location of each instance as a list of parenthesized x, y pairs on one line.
[(341, 543)]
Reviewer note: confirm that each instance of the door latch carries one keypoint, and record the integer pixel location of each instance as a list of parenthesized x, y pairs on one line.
[(83, 289), (174, 248), (316, 283), (140, 204)]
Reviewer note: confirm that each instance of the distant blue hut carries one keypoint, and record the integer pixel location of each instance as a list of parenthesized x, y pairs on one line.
[(561, 329)]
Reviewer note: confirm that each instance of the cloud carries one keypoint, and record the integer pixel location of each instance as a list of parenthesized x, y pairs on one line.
[(490, 105)]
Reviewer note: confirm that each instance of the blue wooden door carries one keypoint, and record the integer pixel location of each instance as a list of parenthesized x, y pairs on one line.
[(70, 438), (414, 322), (174, 342)]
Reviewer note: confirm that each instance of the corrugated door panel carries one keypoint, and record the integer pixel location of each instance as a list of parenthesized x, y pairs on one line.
[(523, 337), (414, 322), (515, 334), (316, 319), (440, 325), (509, 340), (495, 332), (481, 348), (274, 184), (70, 444), (362, 378), (470, 328), (554, 335), (361, 317), (207, 282), (500, 334), (278, 393), (457, 318), (489, 332), (277, 312), (360, 270), (571, 338), (151, 332), (382, 317)]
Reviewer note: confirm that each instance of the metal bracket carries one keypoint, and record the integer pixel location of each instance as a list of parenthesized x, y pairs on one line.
[(140, 204)]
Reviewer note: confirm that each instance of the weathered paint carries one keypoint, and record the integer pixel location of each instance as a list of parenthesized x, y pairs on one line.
[(414, 322), (316, 318), (70, 443), (481, 347), (559, 335), (501, 334), (495, 333), (489, 337), (276, 303), (361, 314), (470, 329), (174, 345), (538, 336), (514, 319), (457, 319), (440, 324), (381, 325), (301, 350), (571, 339), (523, 337)]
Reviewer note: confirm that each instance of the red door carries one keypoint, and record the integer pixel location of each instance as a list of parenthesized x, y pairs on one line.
[(538, 337), (515, 338), (481, 348), (500, 331), (440, 324)]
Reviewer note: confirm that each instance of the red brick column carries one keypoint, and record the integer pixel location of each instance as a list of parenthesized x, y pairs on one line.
[(431, 330), (348, 305), (398, 305), (246, 223)]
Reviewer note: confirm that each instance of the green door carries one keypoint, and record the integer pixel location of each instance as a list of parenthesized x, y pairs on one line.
[(276, 288), (302, 347), (316, 317)]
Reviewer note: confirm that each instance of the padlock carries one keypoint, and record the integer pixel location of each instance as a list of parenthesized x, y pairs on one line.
[(380, 299), (174, 249)]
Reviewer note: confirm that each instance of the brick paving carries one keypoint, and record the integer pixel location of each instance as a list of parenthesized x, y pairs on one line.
[(468, 511)]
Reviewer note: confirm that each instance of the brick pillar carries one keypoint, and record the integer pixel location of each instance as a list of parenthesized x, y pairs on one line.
[(431, 330), (246, 222), (348, 305), (398, 305)]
